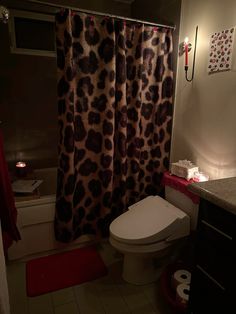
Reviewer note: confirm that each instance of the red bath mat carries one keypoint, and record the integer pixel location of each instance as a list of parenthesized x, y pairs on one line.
[(62, 270)]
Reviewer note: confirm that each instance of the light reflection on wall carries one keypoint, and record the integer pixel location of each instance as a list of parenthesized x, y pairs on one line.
[(204, 125), (213, 165)]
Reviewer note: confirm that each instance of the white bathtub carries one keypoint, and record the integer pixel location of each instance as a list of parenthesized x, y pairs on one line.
[(36, 220)]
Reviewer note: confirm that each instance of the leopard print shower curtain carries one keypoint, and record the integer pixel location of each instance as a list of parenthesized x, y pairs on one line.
[(115, 85)]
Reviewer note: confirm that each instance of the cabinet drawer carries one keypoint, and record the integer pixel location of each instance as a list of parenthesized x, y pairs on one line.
[(206, 296), (218, 218), (219, 267), (214, 236), (215, 253)]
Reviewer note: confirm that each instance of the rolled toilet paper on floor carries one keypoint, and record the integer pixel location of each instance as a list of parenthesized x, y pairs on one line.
[(182, 293), (180, 276)]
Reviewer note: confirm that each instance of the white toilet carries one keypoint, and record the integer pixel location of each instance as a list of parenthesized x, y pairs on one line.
[(148, 230)]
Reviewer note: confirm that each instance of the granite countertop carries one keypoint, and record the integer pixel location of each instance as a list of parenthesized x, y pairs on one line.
[(221, 192)]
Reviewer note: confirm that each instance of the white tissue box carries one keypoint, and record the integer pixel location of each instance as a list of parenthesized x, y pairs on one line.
[(184, 169)]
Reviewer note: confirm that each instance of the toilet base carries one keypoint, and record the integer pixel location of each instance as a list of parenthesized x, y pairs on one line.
[(141, 270)]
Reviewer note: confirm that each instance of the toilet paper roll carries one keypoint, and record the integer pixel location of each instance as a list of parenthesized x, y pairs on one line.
[(180, 276), (182, 293)]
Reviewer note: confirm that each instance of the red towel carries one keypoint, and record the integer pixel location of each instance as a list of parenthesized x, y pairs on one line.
[(179, 184), (8, 213)]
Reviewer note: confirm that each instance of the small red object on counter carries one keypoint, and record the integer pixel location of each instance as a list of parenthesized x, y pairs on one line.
[(179, 184)]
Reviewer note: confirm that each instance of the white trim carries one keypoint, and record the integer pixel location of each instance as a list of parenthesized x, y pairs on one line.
[(217, 230), (43, 53), (31, 16), (210, 277)]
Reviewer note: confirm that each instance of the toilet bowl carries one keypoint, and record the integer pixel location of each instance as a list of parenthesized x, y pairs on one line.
[(148, 229)]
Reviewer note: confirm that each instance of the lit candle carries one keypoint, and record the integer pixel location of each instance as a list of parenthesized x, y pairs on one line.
[(186, 50), (20, 169), (20, 164), (201, 177)]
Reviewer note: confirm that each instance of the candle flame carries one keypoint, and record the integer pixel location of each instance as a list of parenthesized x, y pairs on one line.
[(20, 164), (186, 40)]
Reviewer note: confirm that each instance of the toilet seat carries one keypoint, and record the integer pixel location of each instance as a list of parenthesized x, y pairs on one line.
[(149, 221), (137, 248)]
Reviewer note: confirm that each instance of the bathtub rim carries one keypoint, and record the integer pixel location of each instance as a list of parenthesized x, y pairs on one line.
[(47, 199)]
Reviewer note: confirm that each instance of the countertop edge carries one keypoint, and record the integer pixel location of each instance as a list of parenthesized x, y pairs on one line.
[(211, 197)]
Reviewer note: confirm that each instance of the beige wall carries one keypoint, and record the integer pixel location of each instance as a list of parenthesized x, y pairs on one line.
[(204, 128)]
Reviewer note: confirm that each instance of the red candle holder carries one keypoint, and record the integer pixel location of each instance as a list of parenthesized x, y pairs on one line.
[(186, 47)]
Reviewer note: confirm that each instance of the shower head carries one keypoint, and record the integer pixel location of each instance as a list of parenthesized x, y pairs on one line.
[(4, 14)]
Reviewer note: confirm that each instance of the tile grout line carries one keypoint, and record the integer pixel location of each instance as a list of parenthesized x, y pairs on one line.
[(119, 289), (121, 295), (53, 308), (100, 299), (75, 298), (144, 295), (104, 248), (150, 301)]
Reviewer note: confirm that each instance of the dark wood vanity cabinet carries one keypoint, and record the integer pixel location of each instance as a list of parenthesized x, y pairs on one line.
[(213, 284)]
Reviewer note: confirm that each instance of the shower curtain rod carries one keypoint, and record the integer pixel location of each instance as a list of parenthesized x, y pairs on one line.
[(101, 14)]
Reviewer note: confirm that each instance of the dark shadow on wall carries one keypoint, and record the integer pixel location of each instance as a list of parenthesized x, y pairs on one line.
[(28, 106), (28, 97)]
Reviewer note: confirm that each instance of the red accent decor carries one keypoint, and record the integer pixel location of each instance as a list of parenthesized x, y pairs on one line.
[(180, 184), (186, 53), (8, 213), (62, 270), (166, 289)]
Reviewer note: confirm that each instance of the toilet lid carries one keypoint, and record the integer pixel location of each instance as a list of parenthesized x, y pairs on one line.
[(150, 220)]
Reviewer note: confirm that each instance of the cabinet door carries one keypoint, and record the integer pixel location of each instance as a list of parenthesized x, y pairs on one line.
[(221, 219), (215, 253), (207, 297), (213, 279)]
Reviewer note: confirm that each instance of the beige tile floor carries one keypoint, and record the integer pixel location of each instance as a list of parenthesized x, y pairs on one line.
[(107, 295)]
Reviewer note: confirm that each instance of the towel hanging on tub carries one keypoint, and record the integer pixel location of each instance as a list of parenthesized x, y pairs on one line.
[(8, 213)]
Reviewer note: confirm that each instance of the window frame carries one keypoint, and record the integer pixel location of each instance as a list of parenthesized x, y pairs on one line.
[(32, 16)]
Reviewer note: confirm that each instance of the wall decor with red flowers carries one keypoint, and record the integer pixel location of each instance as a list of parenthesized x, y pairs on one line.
[(221, 50)]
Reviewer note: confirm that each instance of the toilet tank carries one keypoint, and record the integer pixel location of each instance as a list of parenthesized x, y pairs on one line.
[(183, 202)]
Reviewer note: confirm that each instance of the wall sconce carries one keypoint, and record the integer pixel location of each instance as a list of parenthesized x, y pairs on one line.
[(184, 49)]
